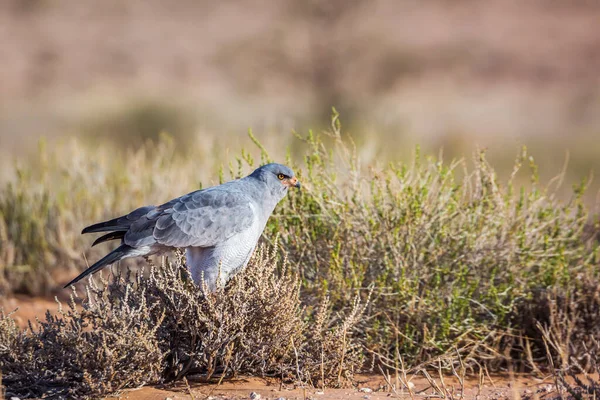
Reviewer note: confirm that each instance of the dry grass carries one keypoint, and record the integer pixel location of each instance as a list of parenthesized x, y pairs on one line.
[(571, 342), (42, 209), (160, 327)]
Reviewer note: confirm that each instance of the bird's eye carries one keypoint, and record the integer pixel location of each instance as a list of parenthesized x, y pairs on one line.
[(280, 176)]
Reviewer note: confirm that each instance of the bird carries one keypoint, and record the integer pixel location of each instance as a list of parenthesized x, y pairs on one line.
[(219, 226)]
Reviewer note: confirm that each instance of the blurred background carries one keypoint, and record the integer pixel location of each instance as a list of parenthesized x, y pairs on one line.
[(451, 75)]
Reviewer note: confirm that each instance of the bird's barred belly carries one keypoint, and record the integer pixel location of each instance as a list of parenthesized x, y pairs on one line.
[(223, 260)]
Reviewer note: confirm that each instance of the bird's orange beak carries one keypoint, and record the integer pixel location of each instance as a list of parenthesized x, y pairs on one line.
[(294, 182)]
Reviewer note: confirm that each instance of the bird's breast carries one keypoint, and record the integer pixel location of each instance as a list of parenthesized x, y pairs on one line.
[(226, 258)]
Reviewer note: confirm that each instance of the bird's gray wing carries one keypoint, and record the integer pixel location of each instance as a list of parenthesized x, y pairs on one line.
[(203, 218)]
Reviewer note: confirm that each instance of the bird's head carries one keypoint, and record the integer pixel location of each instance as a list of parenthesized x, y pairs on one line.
[(276, 176)]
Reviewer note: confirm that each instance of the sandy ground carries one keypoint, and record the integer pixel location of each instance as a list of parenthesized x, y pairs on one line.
[(28, 308), (367, 387)]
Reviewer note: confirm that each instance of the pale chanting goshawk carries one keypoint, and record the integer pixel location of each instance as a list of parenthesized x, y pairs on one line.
[(218, 226)]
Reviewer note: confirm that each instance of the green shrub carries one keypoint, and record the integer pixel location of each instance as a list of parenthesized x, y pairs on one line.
[(450, 250)]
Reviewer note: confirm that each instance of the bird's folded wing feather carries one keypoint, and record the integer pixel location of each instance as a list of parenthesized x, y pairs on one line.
[(203, 218)]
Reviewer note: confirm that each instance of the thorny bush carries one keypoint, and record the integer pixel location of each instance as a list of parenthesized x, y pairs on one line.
[(159, 327), (572, 346)]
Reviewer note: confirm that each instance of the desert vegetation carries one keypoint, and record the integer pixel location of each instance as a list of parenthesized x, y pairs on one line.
[(426, 244), (381, 267), (159, 327)]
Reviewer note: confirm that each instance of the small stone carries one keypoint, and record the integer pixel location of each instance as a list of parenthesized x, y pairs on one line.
[(254, 396), (366, 396), (15, 398), (365, 390), (319, 392), (547, 388), (281, 398)]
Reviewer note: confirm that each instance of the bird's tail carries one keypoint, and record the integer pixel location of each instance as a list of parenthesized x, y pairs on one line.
[(121, 252)]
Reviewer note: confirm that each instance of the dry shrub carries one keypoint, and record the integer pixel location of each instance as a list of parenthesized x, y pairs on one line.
[(331, 356), (75, 354), (159, 327), (571, 342), (562, 320), (576, 382)]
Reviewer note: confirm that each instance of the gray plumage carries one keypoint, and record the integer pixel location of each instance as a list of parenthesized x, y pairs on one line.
[(219, 226)]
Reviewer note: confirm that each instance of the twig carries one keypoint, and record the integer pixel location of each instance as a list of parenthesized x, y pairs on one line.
[(187, 385), (404, 378), (322, 370), (342, 357), (433, 384), (297, 363), (387, 380)]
